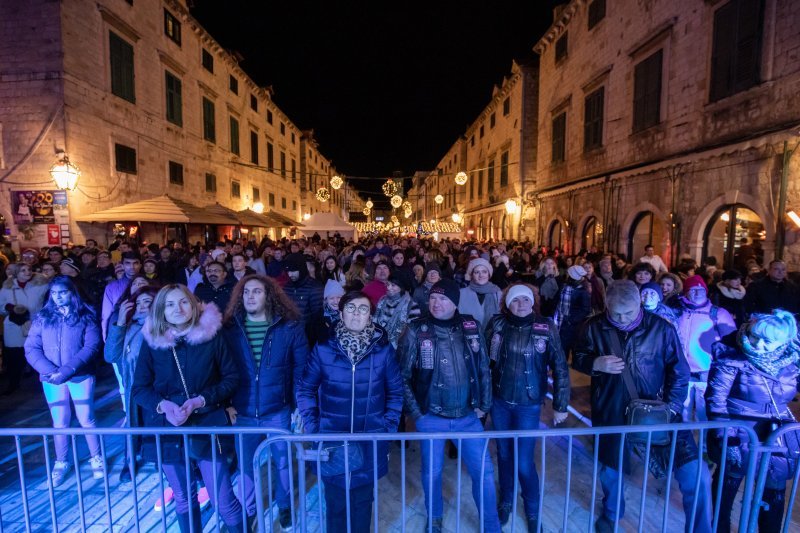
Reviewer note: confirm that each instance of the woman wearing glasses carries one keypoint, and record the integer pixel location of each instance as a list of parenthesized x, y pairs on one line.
[(352, 384)]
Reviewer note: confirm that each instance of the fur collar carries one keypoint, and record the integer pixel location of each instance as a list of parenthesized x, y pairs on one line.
[(728, 292), (37, 279), (206, 328)]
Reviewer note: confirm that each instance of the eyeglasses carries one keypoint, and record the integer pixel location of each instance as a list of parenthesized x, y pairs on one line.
[(352, 308)]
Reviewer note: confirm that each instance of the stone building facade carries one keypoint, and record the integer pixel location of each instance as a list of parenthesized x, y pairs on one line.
[(498, 153), (671, 123), (145, 102)]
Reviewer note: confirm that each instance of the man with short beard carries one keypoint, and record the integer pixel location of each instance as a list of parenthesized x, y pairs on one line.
[(651, 352), (773, 291), (215, 287), (266, 339)]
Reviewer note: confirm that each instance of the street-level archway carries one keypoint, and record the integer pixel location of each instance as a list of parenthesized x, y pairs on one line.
[(554, 234), (646, 229), (733, 235), (492, 232), (590, 233)]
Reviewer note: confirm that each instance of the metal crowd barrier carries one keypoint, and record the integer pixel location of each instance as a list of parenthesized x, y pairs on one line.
[(775, 444), (108, 521), (305, 445), (574, 445)]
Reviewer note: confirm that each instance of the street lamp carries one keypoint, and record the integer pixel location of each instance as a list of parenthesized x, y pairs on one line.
[(306, 216), (511, 206), (258, 207), (64, 173)]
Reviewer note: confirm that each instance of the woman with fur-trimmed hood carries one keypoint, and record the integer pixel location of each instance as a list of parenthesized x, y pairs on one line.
[(184, 376), (21, 297)]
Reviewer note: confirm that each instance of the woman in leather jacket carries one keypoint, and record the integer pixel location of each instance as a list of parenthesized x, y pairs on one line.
[(753, 379), (522, 346)]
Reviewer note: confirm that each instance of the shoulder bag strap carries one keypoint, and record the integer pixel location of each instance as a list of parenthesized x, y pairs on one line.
[(616, 346), (180, 373)]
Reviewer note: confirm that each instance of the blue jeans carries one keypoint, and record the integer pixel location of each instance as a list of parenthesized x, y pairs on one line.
[(506, 416), (473, 456), (685, 476), (336, 508), (58, 400), (280, 461)]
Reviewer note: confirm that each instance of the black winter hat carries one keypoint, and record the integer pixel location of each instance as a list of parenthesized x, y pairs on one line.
[(400, 281), (448, 288)]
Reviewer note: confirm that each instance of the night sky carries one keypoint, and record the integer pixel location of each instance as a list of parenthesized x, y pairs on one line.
[(386, 86)]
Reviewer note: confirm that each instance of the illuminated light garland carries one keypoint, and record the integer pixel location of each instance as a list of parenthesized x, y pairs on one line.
[(390, 188), (369, 204), (323, 195), (439, 199), (461, 178), (337, 182), (366, 211), (407, 206), (396, 201)]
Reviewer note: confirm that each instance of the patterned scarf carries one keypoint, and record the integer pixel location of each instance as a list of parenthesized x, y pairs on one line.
[(353, 343), (770, 362), (626, 327)]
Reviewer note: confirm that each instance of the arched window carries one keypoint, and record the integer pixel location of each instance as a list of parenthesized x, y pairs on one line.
[(554, 235), (481, 229), (504, 230), (734, 235), (589, 236), (492, 234), (646, 229)]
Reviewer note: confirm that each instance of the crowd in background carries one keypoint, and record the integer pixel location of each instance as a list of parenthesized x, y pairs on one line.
[(370, 336)]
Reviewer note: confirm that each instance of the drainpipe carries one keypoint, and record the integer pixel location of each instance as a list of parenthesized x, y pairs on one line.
[(781, 214)]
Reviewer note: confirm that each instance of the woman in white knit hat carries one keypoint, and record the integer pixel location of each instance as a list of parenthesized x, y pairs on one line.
[(481, 298)]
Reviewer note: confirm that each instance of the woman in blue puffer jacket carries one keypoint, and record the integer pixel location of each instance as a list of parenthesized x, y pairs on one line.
[(753, 380), (352, 384), (62, 345)]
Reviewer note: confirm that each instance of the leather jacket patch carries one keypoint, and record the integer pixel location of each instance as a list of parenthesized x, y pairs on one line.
[(540, 343)]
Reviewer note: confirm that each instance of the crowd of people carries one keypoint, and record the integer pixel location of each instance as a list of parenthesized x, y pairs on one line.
[(396, 334)]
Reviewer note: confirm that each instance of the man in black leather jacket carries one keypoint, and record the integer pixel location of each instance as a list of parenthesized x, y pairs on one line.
[(448, 387), (522, 345), (652, 353)]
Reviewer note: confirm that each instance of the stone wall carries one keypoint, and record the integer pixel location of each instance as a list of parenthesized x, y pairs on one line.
[(714, 153)]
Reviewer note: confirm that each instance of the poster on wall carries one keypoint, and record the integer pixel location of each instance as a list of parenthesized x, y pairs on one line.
[(37, 207), (41, 217)]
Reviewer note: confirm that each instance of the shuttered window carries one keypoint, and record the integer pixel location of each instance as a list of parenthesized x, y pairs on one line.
[(234, 136), (121, 60), (174, 99), (647, 92), (209, 126), (593, 120), (559, 140), (736, 52)]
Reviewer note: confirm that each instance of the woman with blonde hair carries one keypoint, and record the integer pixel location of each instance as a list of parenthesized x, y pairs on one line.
[(184, 376), (753, 380)]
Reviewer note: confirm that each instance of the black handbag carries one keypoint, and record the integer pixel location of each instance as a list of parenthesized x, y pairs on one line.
[(642, 412)]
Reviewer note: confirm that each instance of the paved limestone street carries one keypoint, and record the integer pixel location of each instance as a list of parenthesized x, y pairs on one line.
[(27, 409)]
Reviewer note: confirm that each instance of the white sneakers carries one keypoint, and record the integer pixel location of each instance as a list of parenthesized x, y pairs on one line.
[(59, 473), (61, 470), (96, 462)]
